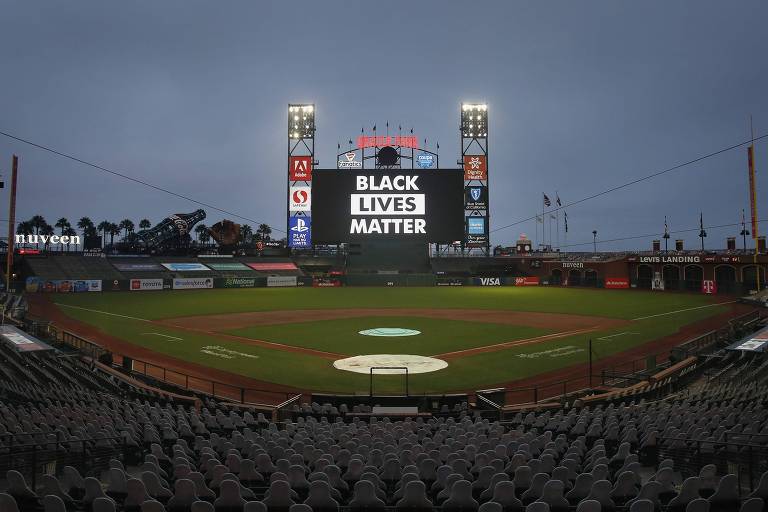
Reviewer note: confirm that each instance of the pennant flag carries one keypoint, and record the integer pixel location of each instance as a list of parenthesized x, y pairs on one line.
[(338, 145), (557, 200), (547, 202), (565, 216), (551, 216), (539, 219), (666, 228), (374, 127), (438, 145)]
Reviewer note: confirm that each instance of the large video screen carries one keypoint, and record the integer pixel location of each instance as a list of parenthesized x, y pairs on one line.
[(349, 206)]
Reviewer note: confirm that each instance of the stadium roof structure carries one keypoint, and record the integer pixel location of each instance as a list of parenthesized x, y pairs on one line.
[(21, 341), (755, 342)]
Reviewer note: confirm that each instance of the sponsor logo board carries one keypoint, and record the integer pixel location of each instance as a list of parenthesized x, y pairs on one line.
[(475, 167), (299, 232), (188, 283), (617, 282), (300, 168), (709, 287), (425, 161), (476, 197), (146, 284), (236, 282), (348, 161), (300, 198), (489, 281), (527, 281), (279, 281)]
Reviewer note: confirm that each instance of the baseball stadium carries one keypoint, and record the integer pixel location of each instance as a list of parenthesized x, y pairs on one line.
[(387, 345)]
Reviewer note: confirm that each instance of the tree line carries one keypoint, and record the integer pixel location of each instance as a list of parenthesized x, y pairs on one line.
[(37, 225)]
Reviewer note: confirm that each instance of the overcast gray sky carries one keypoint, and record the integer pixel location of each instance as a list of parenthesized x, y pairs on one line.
[(582, 95)]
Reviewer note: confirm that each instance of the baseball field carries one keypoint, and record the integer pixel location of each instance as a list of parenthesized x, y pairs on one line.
[(294, 337)]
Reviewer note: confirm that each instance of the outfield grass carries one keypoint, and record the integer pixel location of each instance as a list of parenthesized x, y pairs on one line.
[(438, 336), (625, 304), (310, 372)]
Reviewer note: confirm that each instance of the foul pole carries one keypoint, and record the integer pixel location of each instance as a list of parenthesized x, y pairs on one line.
[(11, 222)]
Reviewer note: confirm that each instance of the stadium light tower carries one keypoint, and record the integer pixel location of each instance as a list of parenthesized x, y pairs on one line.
[(474, 159), (301, 160)]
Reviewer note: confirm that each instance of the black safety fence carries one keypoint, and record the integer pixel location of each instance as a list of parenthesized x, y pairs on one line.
[(745, 456), (33, 457)]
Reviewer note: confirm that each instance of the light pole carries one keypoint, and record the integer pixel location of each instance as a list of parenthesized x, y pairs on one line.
[(744, 230), (594, 241)]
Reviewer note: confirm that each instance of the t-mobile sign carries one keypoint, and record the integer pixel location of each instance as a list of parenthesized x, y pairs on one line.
[(359, 205)]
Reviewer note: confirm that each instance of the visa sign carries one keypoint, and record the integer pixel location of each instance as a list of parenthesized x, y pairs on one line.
[(299, 232)]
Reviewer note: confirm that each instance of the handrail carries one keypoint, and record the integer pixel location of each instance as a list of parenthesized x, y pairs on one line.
[(287, 402), (489, 402)]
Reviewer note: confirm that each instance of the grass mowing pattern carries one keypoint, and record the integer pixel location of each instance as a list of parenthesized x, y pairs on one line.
[(471, 372), (437, 336)]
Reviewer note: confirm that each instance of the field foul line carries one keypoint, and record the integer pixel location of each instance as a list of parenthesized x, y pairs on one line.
[(515, 343), (102, 312), (614, 335), (684, 310), (163, 335)]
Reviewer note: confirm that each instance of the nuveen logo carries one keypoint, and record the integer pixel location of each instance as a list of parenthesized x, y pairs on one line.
[(47, 239)]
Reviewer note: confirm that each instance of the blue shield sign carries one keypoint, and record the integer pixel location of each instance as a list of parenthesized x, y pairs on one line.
[(300, 232)]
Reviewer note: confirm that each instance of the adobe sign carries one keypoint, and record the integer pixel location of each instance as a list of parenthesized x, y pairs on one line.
[(300, 168)]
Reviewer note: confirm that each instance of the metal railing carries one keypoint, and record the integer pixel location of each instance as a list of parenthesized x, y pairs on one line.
[(33, 458), (178, 379)]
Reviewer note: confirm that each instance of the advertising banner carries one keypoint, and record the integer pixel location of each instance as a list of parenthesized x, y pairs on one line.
[(300, 198), (617, 282), (325, 283), (300, 168), (709, 287), (527, 281), (412, 205), (277, 265), (476, 197), (475, 167), (281, 281), (476, 232), (35, 284), (146, 284), (185, 267), (488, 281), (228, 266), (189, 283), (450, 281), (137, 267), (237, 282), (300, 232)]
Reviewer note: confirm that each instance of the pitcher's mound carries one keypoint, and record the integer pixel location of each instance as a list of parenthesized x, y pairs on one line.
[(415, 364), (389, 331)]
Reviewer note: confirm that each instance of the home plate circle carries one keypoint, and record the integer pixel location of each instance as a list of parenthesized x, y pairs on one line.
[(415, 364), (389, 331)]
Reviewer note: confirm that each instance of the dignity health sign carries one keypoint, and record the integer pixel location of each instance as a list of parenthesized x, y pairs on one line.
[(363, 205)]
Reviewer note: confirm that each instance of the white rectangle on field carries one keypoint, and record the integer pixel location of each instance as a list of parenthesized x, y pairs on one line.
[(387, 204)]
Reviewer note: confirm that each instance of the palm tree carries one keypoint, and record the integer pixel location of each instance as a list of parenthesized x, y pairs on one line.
[(84, 223), (204, 236), (38, 221), (68, 231), (114, 229), (48, 231), (127, 225), (246, 232), (264, 231), (62, 224), (25, 228), (199, 230), (103, 227), (145, 224)]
